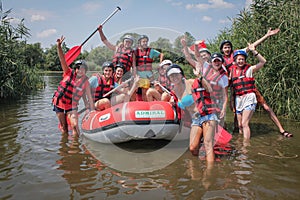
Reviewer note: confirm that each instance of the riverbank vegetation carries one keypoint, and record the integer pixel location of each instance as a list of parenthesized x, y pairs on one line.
[(18, 70), (278, 80)]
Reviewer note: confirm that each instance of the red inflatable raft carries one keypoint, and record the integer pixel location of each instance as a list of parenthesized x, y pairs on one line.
[(137, 120)]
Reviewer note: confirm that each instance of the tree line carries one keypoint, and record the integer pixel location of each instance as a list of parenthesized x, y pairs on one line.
[(278, 80)]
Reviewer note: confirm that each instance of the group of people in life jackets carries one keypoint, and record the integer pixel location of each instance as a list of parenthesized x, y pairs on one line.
[(203, 99)]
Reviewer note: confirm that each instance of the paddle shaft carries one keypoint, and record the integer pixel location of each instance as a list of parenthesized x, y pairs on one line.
[(72, 54), (81, 111), (113, 90), (112, 14), (164, 89)]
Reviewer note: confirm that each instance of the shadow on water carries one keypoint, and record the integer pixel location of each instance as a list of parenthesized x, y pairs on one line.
[(143, 146), (37, 162)]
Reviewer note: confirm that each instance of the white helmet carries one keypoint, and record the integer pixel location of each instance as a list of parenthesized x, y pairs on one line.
[(204, 50), (165, 62), (128, 37)]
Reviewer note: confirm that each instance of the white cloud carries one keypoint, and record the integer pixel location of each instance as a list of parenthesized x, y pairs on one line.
[(91, 6), (37, 18), (46, 33), (37, 15), (224, 21), (210, 5), (206, 19)]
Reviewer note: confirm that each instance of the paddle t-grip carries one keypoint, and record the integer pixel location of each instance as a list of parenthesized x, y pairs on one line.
[(110, 16), (72, 54)]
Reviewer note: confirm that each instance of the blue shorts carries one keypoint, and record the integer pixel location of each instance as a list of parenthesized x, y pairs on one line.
[(198, 120), (57, 109), (249, 107)]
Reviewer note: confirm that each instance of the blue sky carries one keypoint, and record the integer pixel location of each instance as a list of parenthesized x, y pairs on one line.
[(77, 19)]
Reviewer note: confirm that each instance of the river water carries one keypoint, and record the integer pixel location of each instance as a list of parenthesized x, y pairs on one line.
[(37, 162)]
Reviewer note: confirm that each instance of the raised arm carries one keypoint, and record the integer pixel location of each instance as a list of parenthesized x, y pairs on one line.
[(187, 55), (196, 64), (61, 55), (161, 57), (197, 54), (260, 58), (104, 39), (268, 34)]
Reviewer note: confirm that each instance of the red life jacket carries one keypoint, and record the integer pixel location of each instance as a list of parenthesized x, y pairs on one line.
[(204, 103), (104, 86), (143, 60), (240, 83), (228, 62), (69, 91), (183, 114), (123, 56), (213, 79)]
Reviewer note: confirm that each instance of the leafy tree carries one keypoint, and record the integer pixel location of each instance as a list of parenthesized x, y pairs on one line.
[(279, 79), (51, 58), (161, 43), (17, 77), (34, 55), (98, 56)]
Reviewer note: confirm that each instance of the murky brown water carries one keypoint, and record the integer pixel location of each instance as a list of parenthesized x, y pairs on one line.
[(36, 162)]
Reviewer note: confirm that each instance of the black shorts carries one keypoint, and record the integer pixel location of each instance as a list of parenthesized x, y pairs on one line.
[(58, 110)]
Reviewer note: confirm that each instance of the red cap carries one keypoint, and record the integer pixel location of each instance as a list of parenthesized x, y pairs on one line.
[(200, 43)]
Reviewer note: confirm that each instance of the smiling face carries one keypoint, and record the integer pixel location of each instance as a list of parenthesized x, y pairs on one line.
[(205, 56), (227, 49), (144, 43), (127, 43), (176, 78), (107, 72), (80, 71), (119, 72), (216, 63), (240, 60), (162, 70)]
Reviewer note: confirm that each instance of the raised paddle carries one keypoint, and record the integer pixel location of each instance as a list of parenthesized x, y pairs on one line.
[(74, 52)]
